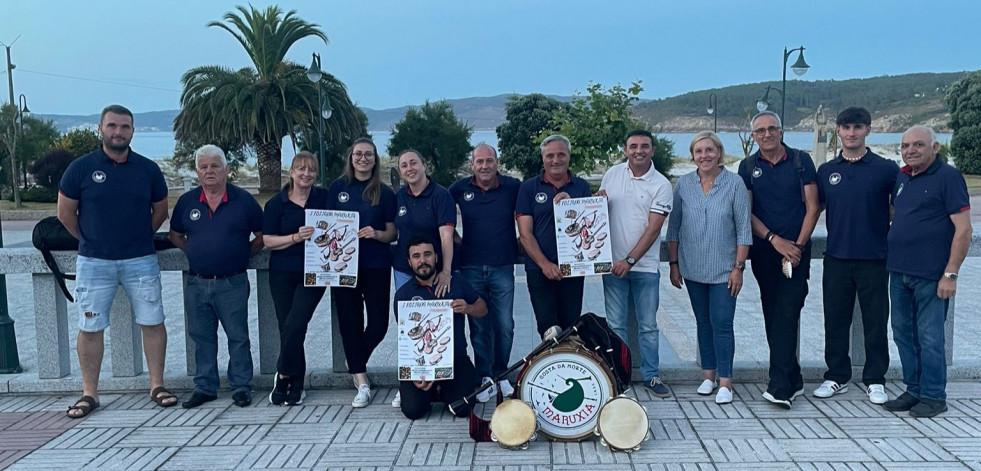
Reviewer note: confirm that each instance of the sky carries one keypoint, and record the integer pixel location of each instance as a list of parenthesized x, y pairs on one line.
[(75, 57)]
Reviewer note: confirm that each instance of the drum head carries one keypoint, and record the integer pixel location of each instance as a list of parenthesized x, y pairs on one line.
[(623, 423), (566, 386), (513, 423)]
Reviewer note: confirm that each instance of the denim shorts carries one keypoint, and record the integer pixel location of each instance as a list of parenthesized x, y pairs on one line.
[(97, 282)]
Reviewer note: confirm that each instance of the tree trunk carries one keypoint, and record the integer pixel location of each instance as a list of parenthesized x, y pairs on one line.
[(270, 157)]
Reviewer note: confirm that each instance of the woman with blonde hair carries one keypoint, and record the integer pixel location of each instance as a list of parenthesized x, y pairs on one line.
[(283, 231), (709, 237)]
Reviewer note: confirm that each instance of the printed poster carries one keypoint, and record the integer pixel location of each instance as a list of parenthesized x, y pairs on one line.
[(331, 254), (582, 236), (425, 340)]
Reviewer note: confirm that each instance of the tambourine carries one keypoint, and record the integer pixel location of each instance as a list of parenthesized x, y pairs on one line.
[(623, 424), (513, 425)]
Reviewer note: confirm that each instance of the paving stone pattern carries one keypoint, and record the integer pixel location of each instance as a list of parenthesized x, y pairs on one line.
[(690, 433)]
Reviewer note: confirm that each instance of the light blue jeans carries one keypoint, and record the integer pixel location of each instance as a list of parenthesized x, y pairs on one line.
[(492, 336), (644, 288), (714, 309), (918, 316), (96, 284)]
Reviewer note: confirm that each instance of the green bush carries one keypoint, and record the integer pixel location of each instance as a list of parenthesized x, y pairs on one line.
[(37, 194)]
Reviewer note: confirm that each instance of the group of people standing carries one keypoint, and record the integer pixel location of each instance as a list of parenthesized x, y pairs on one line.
[(715, 226)]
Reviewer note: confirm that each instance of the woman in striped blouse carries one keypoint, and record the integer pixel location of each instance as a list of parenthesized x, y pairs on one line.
[(708, 241)]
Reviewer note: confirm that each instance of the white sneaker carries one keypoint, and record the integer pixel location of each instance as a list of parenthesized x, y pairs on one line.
[(830, 388), (363, 398), (397, 402), (784, 403), (724, 396), (488, 393), (506, 389), (707, 387), (877, 394)]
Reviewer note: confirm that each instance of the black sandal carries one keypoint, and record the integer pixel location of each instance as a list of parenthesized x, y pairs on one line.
[(161, 394), (88, 405)]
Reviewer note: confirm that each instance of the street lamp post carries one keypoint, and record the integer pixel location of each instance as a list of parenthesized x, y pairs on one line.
[(799, 67), (713, 102), (764, 102), (9, 358), (315, 74)]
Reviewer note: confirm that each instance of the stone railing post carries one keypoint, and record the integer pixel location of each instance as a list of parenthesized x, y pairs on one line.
[(51, 327), (125, 338), (268, 325)]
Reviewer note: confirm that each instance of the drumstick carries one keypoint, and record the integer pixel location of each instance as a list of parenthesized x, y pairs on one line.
[(546, 344)]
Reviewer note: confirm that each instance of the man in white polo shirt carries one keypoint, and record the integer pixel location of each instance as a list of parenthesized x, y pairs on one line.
[(640, 199)]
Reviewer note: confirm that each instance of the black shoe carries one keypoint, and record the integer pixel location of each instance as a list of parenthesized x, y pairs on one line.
[(197, 399), (281, 387), (296, 394), (242, 398), (928, 408), (904, 402)]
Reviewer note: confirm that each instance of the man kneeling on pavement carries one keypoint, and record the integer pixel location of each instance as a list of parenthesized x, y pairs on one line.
[(417, 396)]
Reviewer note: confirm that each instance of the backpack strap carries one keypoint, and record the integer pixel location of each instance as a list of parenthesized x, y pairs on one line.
[(58, 274)]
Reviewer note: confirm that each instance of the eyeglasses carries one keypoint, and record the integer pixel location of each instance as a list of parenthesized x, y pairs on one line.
[(762, 131), (363, 155)]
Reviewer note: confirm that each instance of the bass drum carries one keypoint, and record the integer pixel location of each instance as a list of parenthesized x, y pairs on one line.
[(566, 385)]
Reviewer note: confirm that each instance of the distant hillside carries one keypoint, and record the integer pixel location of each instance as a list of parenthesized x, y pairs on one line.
[(895, 101)]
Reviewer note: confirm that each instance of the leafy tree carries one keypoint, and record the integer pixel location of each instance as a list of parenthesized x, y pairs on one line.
[(964, 101), (78, 142), (28, 137), (597, 125), (260, 105), (525, 118), (48, 169), (435, 131)]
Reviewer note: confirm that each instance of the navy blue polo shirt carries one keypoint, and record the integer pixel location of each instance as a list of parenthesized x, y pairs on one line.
[(488, 221), (535, 200), (921, 234), (219, 241), (284, 217), (856, 195), (459, 289), (342, 196), (423, 215), (114, 201), (777, 199)]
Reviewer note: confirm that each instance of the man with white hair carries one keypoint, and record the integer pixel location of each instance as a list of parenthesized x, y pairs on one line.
[(212, 225), (929, 238)]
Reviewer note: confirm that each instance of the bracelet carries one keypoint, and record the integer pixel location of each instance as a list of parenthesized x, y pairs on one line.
[(672, 262), (769, 236)]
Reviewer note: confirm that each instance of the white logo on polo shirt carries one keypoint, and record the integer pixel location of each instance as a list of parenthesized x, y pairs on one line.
[(417, 298), (343, 197), (900, 190), (541, 198), (834, 179), (468, 196), (402, 211), (195, 214), (757, 172), (98, 176)]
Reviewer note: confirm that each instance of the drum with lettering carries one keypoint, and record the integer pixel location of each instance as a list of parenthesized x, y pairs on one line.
[(623, 424), (566, 385), (513, 424)]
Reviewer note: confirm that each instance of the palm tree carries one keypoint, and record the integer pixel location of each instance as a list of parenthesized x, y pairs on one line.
[(260, 106)]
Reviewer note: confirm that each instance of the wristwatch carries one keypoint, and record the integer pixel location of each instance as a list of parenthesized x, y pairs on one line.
[(633, 261), (951, 276), (741, 265)]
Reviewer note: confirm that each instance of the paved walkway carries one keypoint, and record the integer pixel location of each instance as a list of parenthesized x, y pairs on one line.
[(690, 432)]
